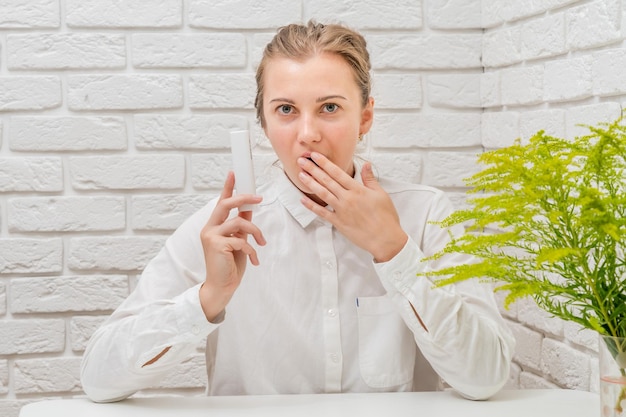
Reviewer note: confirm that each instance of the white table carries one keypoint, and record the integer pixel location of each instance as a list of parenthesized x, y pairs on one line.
[(510, 403)]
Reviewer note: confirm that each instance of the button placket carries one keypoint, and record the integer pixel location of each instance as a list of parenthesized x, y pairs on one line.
[(330, 306)]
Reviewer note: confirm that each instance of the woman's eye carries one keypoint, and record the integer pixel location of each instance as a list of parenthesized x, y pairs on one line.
[(285, 108), (330, 107)]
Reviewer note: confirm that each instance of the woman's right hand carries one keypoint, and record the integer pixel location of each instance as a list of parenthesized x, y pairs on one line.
[(226, 248)]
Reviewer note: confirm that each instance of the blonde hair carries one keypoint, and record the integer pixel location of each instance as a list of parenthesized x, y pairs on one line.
[(304, 41)]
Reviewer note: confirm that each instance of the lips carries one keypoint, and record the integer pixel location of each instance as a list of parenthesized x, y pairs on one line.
[(308, 156)]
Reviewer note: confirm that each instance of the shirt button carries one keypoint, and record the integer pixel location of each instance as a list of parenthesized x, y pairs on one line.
[(334, 357), (397, 276), (195, 329), (332, 313), (329, 265)]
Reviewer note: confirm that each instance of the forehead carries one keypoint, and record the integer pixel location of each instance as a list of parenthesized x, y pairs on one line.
[(326, 71)]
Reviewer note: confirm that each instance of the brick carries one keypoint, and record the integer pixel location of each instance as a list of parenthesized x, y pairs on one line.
[(529, 380), (527, 346), (222, 91), (490, 89), (186, 132), (81, 330), (532, 316), (127, 172), (29, 14), (425, 51), (29, 93), (125, 14), (368, 14), (67, 133), (47, 376), (3, 299), (4, 377), (568, 367), (454, 90), (594, 375), (578, 118), (500, 129), (31, 174), (208, 172), (567, 80), (127, 253), (496, 12), (543, 37), (449, 169), (214, 50), (220, 14), (32, 336), (259, 41), (11, 408), (65, 51), (454, 14), (18, 255), (608, 75), (550, 121), (405, 167), (397, 91), (593, 24), (66, 214), (522, 86), (124, 92), (426, 130), (502, 47), (164, 212), (63, 294), (580, 336)]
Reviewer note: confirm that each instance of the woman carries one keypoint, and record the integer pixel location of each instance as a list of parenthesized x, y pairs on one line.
[(331, 302)]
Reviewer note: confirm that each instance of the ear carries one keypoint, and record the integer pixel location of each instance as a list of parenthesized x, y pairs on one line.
[(367, 116)]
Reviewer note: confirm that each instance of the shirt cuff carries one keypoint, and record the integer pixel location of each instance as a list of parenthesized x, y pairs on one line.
[(400, 272), (192, 323)]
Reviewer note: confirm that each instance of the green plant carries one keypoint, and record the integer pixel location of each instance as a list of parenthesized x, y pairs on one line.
[(547, 220)]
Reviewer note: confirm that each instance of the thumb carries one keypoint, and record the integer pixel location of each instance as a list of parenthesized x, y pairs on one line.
[(368, 177)]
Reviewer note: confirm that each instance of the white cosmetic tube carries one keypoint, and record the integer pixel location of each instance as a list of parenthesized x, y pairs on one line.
[(242, 164)]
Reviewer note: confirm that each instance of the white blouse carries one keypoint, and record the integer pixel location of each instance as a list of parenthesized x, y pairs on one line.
[(317, 315)]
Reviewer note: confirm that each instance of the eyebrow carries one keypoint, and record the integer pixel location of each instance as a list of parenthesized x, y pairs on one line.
[(318, 100)]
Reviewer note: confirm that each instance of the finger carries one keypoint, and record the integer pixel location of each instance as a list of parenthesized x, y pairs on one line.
[(241, 228), (333, 171), (228, 202), (368, 177), (220, 213), (320, 211), (319, 181), (319, 189), (241, 245)]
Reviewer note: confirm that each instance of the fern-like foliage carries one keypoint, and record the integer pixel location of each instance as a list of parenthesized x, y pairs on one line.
[(547, 220)]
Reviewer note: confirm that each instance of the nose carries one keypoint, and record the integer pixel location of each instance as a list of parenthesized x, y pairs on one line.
[(308, 131)]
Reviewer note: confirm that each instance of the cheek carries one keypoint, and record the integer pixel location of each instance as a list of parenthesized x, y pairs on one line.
[(281, 142)]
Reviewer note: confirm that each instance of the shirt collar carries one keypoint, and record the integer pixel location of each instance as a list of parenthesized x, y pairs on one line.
[(289, 196)]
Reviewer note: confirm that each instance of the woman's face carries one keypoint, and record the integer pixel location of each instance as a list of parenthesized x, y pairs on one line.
[(313, 105)]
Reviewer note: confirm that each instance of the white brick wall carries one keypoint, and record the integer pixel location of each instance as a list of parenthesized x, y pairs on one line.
[(114, 120)]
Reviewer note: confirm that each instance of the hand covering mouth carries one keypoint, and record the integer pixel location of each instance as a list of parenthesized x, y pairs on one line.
[(311, 159)]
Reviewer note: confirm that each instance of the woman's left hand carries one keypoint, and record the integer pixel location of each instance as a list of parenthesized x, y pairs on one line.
[(363, 213)]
